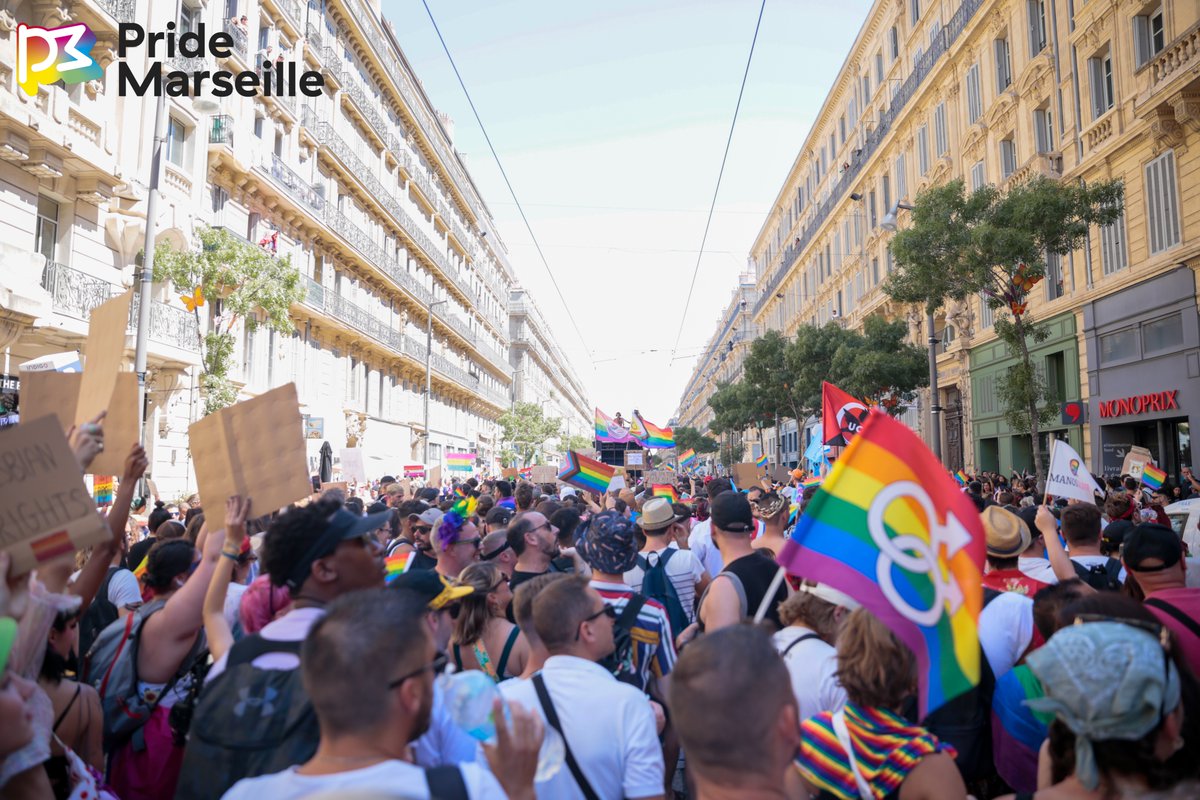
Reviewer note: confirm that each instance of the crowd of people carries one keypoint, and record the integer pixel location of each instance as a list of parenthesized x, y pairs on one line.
[(231, 651)]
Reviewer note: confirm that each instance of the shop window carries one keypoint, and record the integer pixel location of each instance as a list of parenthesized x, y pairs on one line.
[(1165, 333), (1118, 346)]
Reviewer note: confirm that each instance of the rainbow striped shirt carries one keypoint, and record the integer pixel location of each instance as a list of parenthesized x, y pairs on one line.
[(886, 749)]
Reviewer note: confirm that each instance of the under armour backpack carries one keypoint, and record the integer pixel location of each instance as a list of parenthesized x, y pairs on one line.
[(248, 722), (656, 585)]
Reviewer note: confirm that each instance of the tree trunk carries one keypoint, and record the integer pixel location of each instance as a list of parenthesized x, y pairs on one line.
[(1035, 444)]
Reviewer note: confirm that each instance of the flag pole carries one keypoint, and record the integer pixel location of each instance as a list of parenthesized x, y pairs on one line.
[(771, 590)]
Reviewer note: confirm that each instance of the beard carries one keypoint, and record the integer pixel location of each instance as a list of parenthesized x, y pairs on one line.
[(551, 550)]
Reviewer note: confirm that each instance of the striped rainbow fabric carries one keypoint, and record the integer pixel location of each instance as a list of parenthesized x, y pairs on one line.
[(586, 473), (665, 490), (762, 461), (460, 462), (1153, 477), (889, 528), (656, 438), (686, 458)]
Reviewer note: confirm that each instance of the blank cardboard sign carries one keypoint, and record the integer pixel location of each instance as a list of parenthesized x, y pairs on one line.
[(104, 354), (57, 393), (255, 449)]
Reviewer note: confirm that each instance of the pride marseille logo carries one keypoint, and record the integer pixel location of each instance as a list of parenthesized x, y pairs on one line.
[(49, 55)]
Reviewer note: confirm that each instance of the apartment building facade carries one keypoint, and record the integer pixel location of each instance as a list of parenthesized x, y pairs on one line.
[(543, 375), (996, 91), (361, 187)]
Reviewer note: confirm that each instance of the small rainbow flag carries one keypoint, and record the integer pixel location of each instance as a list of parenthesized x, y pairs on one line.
[(1153, 477), (140, 572), (460, 462), (52, 546), (586, 473), (656, 438), (890, 529), (686, 458), (397, 564), (665, 490), (811, 482), (961, 477), (102, 489), (762, 462)]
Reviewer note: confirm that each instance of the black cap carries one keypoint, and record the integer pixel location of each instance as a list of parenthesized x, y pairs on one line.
[(731, 512), (499, 515), (1151, 541)]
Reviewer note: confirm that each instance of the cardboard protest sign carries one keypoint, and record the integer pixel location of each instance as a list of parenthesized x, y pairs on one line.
[(256, 449), (635, 459), (1135, 462), (544, 474), (57, 393), (406, 485), (617, 483), (435, 476), (508, 473), (352, 464), (46, 510), (660, 476), (104, 354), (102, 489), (780, 474), (745, 475), (414, 470), (340, 486)]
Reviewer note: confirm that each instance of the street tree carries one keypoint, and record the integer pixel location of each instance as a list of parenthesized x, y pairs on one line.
[(880, 366), (772, 388), (241, 283), (995, 245), (576, 442), (524, 429), (689, 438)]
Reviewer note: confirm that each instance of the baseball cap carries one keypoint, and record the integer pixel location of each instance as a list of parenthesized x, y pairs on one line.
[(343, 525), (731, 512), (829, 595), (1007, 534), (499, 515), (434, 589), (431, 517), (1151, 541)]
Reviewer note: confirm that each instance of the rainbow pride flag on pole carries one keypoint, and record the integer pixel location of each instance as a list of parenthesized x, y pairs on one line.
[(586, 473), (889, 528), (1153, 477), (656, 438), (686, 458), (665, 490), (762, 461), (961, 478), (460, 462)]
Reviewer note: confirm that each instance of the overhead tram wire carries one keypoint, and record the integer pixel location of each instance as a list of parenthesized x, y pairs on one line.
[(717, 189), (504, 174)]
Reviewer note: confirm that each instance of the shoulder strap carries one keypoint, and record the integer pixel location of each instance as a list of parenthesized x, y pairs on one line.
[(843, 736), (665, 556), (738, 586), (129, 620), (63, 715), (539, 684), (446, 783), (457, 652), (502, 664), (1113, 568), (252, 647), (643, 563), (798, 640), (630, 613), (1176, 614)]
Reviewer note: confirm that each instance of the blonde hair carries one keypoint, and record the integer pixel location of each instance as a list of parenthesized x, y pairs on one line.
[(474, 611), (875, 668)]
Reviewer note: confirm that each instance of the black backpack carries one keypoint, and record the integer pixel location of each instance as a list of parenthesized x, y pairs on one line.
[(247, 722), (1105, 578), (99, 615), (656, 585), (620, 661)]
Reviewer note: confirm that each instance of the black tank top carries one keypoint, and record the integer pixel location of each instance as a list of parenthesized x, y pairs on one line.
[(756, 571)]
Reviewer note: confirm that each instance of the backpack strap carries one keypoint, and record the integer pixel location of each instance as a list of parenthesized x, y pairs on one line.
[(539, 684), (798, 640), (1176, 613), (446, 783), (251, 647), (628, 617), (502, 664), (665, 556), (129, 619)]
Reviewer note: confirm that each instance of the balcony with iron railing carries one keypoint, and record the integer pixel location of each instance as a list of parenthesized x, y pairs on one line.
[(241, 41), (367, 106), (839, 185), (75, 294), (310, 196), (221, 131), (120, 10)]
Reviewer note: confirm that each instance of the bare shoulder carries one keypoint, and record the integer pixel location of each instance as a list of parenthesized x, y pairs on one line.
[(936, 777)]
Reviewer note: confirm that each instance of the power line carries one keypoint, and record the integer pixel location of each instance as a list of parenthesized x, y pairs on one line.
[(504, 174), (716, 190)]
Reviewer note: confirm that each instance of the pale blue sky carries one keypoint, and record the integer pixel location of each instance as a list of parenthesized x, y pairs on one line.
[(610, 119)]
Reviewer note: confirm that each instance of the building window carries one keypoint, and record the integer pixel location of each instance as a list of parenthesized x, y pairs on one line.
[(189, 19), (894, 40), (879, 68), (875, 271), (978, 176), (258, 127), (1101, 77), (866, 83), (1149, 36), (1037, 26), (889, 260), (914, 11), (901, 177), (923, 150), (941, 137), (1008, 158), (987, 314), (1119, 346), (1162, 334), (1054, 276), (177, 141), (1112, 246), (1043, 129), (974, 95), (1003, 65), (874, 220), (45, 233), (842, 128), (886, 185), (1162, 203)]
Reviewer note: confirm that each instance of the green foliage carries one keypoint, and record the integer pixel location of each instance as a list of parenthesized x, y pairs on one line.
[(1028, 401), (576, 442), (810, 360), (732, 452), (240, 282), (525, 429), (880, 366), (689, 438), (772, 391), (734, 408)]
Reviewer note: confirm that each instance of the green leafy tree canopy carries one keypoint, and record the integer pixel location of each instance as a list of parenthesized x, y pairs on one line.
[(689, 438), (524, 429)]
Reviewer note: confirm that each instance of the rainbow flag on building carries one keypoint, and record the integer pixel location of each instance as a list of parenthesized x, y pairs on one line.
[(1153, 477), (762, 462), (654, 437), (460, 462), (665, 490), (586, 473), (889, 528), (686, 458)]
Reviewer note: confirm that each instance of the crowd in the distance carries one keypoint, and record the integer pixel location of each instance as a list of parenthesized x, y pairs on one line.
[(244, 653)]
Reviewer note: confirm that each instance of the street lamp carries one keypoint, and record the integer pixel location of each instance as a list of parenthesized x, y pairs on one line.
[(888, 223), (428, 372)]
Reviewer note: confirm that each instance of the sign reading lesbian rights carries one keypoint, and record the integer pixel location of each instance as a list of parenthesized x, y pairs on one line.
[(46, 510), (255, 449)]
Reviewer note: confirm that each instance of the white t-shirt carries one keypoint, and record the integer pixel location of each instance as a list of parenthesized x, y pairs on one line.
[(609, 725), (390, 778), (1087, 562), (701, 543), (1005, 630), (684, 570), (233, 603), (1037, 568), (123, 589), (812, 665)]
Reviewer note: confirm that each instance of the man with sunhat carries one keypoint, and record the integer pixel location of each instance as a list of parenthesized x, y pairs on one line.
[(1007, 538), (1153, 555), (662, 526)]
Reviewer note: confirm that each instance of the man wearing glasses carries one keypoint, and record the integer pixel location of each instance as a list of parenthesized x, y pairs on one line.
[(535, 542), (369, 666)]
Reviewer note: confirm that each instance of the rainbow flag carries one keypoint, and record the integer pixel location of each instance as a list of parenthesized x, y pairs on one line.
[(397, 564), (811, 482), (102, 489), (961, 477), (890, 529), (665, 490), (1153, 477), (586, 473), (656, 438), (460, 462), (686, 458), (140, 572), (762, 462)]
